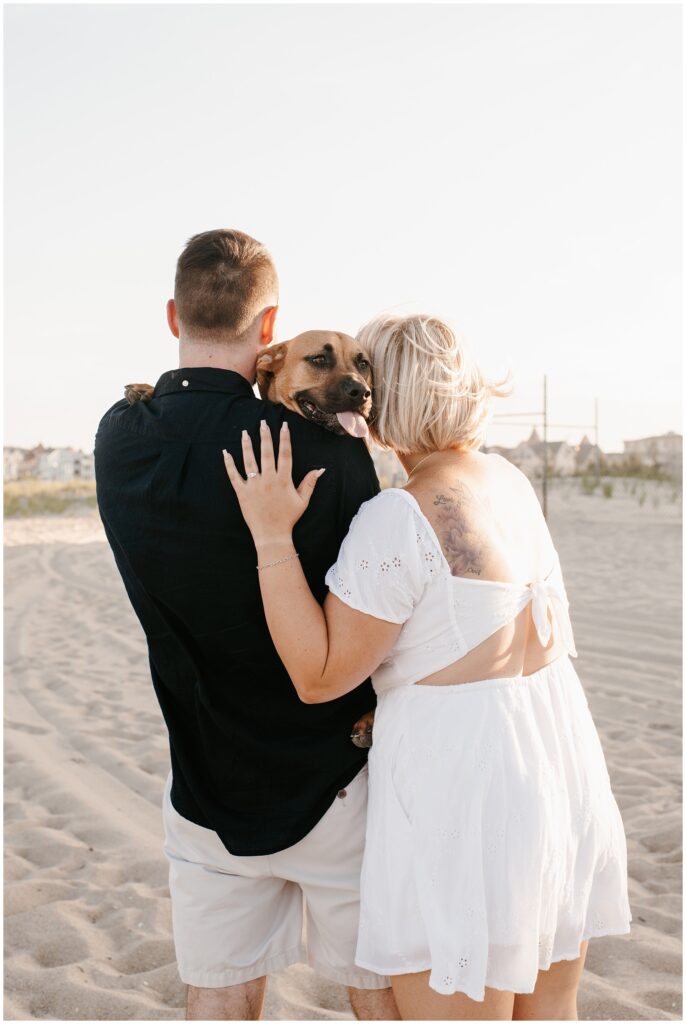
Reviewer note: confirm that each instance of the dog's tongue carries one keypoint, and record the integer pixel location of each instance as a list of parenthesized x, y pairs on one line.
[(353, 423)]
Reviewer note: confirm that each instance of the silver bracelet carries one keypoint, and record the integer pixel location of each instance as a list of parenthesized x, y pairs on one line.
[(280, 562)]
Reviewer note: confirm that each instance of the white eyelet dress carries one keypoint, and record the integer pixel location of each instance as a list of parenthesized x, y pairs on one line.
[(494, 844)]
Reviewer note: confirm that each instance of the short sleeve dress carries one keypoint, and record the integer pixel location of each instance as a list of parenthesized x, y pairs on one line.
[(494, 846)]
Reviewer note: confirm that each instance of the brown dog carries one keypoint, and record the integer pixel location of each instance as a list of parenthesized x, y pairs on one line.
[(325, 377), (322, 375)]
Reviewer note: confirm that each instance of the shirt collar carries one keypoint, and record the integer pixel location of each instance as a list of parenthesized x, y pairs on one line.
[(202, 378)]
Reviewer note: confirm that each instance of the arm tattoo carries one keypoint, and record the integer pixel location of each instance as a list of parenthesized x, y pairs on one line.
[(457, 526)]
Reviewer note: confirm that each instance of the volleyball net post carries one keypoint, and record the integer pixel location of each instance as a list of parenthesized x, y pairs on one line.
[(539, 418)]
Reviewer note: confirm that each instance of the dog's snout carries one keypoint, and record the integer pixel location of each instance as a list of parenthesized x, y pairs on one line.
[(355, 389)]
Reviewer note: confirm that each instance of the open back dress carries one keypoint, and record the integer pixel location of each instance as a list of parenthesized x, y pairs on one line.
[(494, 843)]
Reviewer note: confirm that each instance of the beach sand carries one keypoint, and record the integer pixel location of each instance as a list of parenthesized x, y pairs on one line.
[(88, 925)]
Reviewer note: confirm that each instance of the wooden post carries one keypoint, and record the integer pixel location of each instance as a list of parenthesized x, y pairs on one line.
[(545, 447)]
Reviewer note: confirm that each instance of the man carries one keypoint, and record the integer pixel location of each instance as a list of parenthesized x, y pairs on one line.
[(266, 799)]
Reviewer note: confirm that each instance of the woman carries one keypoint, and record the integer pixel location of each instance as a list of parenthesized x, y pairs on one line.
[(495, 848)]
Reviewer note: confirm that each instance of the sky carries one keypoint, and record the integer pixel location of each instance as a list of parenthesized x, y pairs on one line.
[(516, 169)]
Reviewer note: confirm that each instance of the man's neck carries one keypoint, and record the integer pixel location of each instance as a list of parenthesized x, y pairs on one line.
[(197, 354)]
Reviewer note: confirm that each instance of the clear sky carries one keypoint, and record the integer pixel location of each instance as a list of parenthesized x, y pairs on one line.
[(514, 168)]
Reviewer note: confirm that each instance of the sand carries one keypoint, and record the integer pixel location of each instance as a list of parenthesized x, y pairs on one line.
[(88, 927)]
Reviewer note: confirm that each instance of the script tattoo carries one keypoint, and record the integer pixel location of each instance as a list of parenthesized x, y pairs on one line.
[(457, 526)]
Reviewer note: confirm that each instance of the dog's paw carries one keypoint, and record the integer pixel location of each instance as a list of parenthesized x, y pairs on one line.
[(138, 393), (362, 731)]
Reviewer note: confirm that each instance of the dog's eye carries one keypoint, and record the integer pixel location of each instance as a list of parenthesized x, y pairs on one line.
[(317, 360), (363, 363)]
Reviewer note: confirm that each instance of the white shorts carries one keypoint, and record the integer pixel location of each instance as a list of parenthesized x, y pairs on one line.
[(239, 918)]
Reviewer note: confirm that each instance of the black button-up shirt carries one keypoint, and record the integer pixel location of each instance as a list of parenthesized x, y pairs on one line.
[(249, 760)]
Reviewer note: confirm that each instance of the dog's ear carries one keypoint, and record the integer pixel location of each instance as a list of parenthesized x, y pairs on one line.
[(268, 365)]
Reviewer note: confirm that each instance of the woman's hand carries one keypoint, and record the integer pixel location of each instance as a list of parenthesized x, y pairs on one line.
[(269, 501)]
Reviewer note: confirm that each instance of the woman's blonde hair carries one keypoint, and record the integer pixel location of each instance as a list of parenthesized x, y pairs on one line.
[(429, 394)]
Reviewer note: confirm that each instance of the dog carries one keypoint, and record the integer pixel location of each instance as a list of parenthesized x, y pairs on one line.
[(323, 375), (326, 377)]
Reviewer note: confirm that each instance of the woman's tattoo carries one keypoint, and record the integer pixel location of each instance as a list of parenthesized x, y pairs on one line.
[(459, 531)]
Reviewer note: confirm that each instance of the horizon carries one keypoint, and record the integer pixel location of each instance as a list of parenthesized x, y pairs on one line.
[(487, 444), (516, 169)]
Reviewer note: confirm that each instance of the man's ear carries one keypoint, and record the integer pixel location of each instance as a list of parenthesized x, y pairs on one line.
[(172, 318), (267, 328), (269, 362)]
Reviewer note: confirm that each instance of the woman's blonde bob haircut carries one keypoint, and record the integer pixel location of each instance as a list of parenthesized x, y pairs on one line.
[(429, 395)]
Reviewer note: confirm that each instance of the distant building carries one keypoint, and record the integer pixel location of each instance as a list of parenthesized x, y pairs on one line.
[(665, 452), (588, 456), (13, 459), (22, 463), (530, 456), (64, 464), (57, 464)]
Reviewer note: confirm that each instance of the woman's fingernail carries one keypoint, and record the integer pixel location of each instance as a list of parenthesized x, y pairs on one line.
[(284, 425), (263, 424), (244, 434), (320, 471), (224, 451)]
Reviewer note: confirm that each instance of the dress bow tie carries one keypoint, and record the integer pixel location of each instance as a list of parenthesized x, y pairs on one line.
[(548, 595)]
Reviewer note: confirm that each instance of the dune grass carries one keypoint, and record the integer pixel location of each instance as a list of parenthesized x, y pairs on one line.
[(46, 497)]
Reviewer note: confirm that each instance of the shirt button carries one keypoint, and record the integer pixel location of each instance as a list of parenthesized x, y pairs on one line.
[(185, 383), (342, 793)]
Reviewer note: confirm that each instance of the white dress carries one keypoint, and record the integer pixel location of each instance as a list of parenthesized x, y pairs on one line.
[(494, 843)]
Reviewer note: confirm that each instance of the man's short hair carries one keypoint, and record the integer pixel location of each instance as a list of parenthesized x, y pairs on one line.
[(223, 279)]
